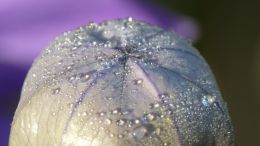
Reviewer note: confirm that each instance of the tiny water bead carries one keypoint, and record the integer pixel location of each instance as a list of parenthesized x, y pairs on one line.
[(56, 90), (138, 81), (108, 121), (121, 122), (121, 82), (208, 100)]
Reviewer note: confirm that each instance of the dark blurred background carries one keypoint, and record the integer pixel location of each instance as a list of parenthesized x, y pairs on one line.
[(227, 33)]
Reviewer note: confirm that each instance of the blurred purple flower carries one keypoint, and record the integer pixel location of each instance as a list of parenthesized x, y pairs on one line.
[(28, 26)]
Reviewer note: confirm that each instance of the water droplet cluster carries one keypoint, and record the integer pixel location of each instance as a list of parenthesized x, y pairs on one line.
[(121, 82)]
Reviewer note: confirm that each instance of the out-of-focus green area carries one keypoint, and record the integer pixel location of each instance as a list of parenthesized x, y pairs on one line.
[(230, 42)]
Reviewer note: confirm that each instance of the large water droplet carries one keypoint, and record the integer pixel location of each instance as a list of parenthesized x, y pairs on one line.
[(84, 77), (140, 132), (150, 117)]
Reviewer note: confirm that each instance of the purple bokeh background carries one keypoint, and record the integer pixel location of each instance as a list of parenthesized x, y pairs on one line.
[(28, 26)]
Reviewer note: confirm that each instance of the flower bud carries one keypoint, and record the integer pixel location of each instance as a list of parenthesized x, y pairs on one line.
[(120, 82)]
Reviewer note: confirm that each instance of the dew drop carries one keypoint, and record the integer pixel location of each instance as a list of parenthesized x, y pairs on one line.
[(108, 121), (101, 128), (69, 67), (94, 43), (111, 135), (136, 121), (86, 76), (150, 117), (72, 78), (120, 136), (158, 131), (60, 62), (207, 100), (71, 105), (164, 96), (74, 48), (56, 91), (140, 132), (101, 114), (116, 111), (138, 81), (108, 98), (154, 105), (116, 73), (120, 122), (91, 123), (130, 19), (92, 25), (84, 114), (126, 112), (83, 77), (53, 114)]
